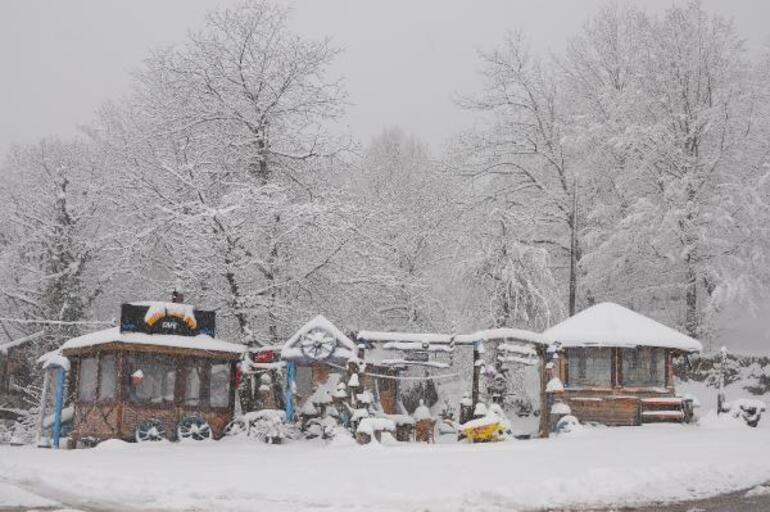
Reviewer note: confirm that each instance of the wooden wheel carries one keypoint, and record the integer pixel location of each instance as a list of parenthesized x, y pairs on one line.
[(317, 344), (149, 431), (567, 424), (194, 428), (236, 428)]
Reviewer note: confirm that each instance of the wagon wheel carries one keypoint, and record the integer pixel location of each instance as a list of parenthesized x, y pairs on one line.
[(318, 344), (567, 424), (236, 427), (193, 427), (262, 429), (150, 430)]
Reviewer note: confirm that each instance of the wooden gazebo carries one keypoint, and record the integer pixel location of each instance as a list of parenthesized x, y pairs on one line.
[(161, 374), (615, 366)]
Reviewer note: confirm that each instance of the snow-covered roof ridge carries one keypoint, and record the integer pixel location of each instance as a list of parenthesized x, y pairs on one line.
[(290, 349), (611, 325), (406, 337), (462, 339), (500, 333), (113, 335)]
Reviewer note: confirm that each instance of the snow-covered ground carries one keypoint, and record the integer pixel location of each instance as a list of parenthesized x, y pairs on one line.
[(13, 496), (594, 466)]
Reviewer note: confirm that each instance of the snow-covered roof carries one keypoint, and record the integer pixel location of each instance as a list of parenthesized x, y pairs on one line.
[(405, 337), (54, 358), (407, 346), (501, 333), (113, 335), (462, 339), (611, 325), (344, 348)]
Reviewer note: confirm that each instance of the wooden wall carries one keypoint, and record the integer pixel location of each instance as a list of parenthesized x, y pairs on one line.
[(119, 417), (613, 406)]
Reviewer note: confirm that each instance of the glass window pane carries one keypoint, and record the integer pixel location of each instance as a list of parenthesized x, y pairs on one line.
[(219, 386), (107, 377), (589, 367), (152, 379), (644, 367), (87, 379), (192, 387)]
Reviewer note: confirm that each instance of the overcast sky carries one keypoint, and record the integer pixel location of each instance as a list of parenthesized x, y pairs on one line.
[(404, 60)]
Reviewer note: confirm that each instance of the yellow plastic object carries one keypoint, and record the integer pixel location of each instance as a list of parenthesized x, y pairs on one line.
[(485, 433)]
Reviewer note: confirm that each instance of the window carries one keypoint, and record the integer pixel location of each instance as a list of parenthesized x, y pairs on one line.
[(87, 379), (644, 367), (589, 367), (152, 379), (219, 385), (193, 384), (107, 377)]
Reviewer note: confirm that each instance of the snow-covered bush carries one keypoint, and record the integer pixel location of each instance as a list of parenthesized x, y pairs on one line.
[(752, 373)]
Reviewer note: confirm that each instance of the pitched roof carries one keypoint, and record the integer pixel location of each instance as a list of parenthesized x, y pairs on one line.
[(344, 349), (611, 325), (113, 335)]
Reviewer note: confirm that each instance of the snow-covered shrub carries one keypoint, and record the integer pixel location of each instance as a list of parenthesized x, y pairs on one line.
[(412, 393), (752, 373), (748, 410), (5, 433)]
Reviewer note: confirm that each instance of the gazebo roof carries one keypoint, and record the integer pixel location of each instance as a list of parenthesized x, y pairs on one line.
[(612, 325), (113, 335), (344, 348)]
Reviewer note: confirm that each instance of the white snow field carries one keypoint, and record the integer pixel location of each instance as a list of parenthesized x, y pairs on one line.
[(594, 466), (13, 496)]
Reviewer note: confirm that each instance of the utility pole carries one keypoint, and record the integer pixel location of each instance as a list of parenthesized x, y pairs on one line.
[(573, 250)]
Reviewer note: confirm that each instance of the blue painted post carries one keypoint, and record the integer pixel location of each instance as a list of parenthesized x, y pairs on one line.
[(58, 405), (290, 369)]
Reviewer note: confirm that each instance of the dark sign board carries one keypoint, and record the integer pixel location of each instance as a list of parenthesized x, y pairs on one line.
[(419, 356), (132, 319)]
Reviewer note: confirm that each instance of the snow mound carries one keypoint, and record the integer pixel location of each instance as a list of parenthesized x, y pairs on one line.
[(760, 490), (113, 445)]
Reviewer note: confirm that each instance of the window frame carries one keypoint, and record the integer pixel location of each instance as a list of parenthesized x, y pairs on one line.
[(230, 385), (663, 379), (79, 396), (185, 366), (98, 398), (163, 404), (570, 359)]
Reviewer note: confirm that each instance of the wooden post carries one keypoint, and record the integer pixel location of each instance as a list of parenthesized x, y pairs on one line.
[(61, 375), (42, 440), (573, 251), (476, 373), (721, 383), (545, 409), (290, 391)]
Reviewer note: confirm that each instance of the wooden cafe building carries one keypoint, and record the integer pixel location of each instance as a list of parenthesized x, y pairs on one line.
[(616, 366), (161, 374)]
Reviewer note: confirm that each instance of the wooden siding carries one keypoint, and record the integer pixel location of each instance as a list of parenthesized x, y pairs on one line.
[(119, 417), (616, 405)]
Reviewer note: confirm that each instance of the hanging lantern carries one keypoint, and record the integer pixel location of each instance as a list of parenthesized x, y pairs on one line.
[(137, 378)]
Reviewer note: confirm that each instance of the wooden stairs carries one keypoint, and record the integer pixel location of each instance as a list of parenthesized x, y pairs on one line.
[(665, 410)]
